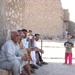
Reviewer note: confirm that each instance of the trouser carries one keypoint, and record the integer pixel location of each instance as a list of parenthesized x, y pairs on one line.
[(68, 56), (14, 66), (38, 57), (33, 56)]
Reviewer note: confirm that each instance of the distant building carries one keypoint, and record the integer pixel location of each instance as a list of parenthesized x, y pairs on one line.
[(45, 17)]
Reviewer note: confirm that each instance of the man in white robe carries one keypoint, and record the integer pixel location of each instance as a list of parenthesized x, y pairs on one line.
[(11, 58)]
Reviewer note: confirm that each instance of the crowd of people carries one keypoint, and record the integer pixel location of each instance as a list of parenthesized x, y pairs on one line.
[(20, 54)]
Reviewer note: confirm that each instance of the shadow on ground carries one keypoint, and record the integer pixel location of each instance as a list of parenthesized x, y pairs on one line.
[(54, 68)]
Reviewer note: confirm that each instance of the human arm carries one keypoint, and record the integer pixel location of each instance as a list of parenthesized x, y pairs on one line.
[(10, 52)]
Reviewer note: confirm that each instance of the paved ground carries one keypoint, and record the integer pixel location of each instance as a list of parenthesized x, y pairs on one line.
[(55, 49), (56, 67)]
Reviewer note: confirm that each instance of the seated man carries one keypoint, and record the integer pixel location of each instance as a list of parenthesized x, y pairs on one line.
[(24, 50), (26, 41), (11, 58), (38, 56)]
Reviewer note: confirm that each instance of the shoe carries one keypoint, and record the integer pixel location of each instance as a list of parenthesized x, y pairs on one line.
[(44, 63), (39, 64), (34, 67), (69, 64), (64, 63), (23, 74)]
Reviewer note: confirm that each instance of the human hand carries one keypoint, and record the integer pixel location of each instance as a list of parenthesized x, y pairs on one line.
[(42, 51), (25, 57), (32, 48)]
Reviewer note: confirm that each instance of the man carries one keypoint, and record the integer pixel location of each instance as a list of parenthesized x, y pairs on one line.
[(11, 57), (26, 42), (23, 49), (38, 56), (25, 39)]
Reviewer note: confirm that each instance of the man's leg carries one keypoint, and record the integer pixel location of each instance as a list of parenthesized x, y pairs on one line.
[(13, 66), (27, 68), (40, 58), (33, 56)]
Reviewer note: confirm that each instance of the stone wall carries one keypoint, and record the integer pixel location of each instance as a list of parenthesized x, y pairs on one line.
[(72, 28), (2, 22), (14, 14), (44, 17), (11, 17), (66, 18)]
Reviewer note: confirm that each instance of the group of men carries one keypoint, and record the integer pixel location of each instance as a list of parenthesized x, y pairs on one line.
[(20, 55)]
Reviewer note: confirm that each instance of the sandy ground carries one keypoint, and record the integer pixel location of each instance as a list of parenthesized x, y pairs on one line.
[(56, 67)]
